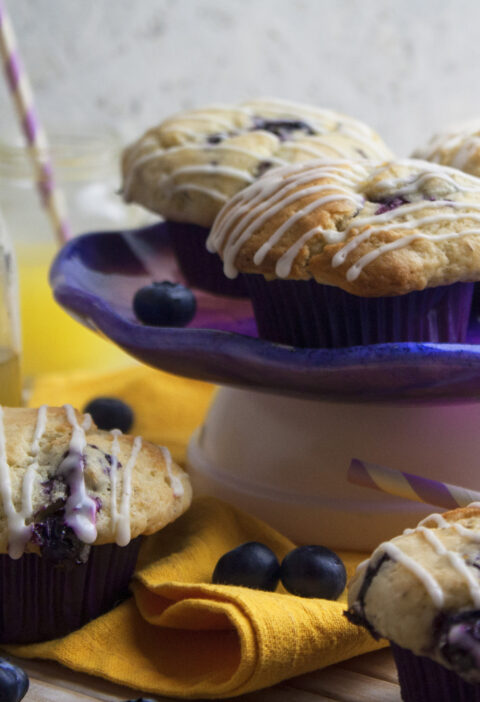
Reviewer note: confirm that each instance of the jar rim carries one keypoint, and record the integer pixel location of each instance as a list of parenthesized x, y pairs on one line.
[(76, 155)]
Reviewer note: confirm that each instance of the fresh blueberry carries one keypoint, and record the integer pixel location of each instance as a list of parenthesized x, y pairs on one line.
[(13, 682), (252, 565), (164, 304), (110, 413), (313, 571)]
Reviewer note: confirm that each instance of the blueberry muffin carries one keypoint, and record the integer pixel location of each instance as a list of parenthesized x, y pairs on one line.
[(75, 502), (341, 253), (421, 590), (458, 147), (188, 167)]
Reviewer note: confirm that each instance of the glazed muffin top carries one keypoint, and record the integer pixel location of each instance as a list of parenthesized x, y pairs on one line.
[(421, 590), (64, 483), (458, 147), (188, 166), (371, 229)]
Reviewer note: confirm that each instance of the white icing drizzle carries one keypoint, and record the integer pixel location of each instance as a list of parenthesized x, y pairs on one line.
[(318, 153), (211, 192), (251, 154), (19, 533), (206, 117), (265, 248), (439, 520), (455, 559), (175, 482), (253, 207), (341, 255), (215, 170), (122, 526), (209, 169), (115, 449), (121, 517), (429, 582), (80, 509), (266, 199), (328, 126), (458, 563), (285, 262), (181, 130), (465, 152), (463, 140)]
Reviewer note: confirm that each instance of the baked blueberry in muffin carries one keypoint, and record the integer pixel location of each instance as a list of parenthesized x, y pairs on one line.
[(188, 167), (347, 252), (75, 502)]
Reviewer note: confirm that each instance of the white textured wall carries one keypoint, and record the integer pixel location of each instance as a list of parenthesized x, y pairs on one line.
[(406, 66)]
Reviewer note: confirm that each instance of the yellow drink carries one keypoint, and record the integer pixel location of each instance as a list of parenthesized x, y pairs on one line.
[(10, 392), (52, 340)]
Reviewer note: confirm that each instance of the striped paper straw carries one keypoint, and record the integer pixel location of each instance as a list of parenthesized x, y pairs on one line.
[(409, 486), (17, 79)]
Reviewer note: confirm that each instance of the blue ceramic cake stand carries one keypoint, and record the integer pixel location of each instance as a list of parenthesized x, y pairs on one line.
[(95, 276), (281, 432)]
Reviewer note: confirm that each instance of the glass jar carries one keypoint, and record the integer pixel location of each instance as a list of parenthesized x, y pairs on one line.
[(10, 383), (87, 168)]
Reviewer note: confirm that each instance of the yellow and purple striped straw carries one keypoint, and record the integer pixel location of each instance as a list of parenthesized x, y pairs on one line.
[(409, 486), (17, 79)]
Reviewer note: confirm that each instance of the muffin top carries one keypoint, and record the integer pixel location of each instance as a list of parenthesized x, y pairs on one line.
[(371, 229), (64, 483), (458, 147), (188, 166), (421, 590)]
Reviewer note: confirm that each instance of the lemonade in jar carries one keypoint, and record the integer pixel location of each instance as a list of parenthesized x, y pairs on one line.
[(86, 168), (10, 379)]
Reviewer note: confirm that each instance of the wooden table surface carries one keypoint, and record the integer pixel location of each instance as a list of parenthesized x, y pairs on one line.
[(368, 678)]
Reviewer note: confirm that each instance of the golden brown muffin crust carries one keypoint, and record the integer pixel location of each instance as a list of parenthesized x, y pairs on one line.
[(371, 229), (188, 166), (458, 147)]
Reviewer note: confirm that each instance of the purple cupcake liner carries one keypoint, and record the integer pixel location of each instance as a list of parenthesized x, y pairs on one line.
[(42, 599), (307, 314), (423, 680), (200, 268)]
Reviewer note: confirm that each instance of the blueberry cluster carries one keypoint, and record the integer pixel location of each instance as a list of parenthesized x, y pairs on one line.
[(307, 571), (57, 541)]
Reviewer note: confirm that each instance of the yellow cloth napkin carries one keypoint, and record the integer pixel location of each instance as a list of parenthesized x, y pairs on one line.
[(181, 635), (167, 408)]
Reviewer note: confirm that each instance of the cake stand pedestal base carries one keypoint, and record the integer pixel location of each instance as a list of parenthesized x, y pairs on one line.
[(286, 460)]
